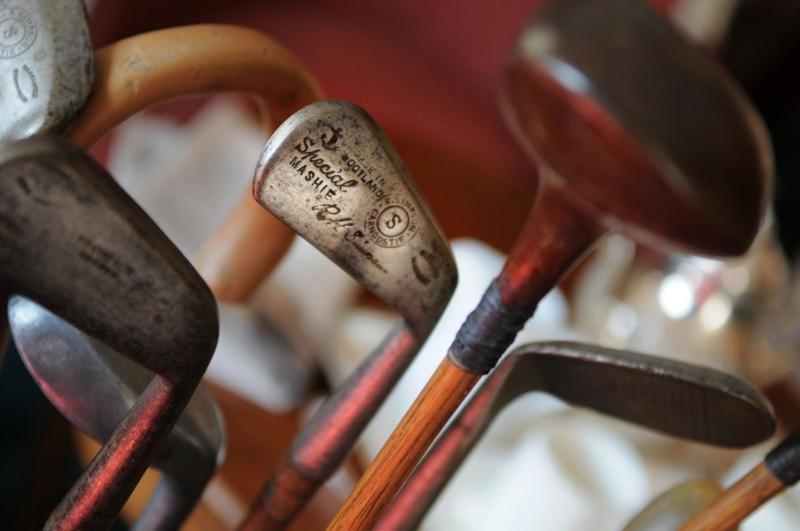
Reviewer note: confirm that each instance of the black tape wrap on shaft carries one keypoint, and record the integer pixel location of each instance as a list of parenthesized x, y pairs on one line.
[(487, 332), (784, 460)]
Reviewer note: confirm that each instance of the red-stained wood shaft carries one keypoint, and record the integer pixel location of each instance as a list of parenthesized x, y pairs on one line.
[(112, 475), (324, 442)]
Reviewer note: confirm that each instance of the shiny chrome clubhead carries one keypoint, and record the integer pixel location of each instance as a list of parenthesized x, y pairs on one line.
[(73, 241), (95, 387), (330, 174), (642, 126), (46, 66)]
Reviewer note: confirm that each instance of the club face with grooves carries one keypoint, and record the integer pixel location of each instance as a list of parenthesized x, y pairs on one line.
[(76, 243), (330, 174), (46, 65), (95, 387), (668, 396), (670, 149)]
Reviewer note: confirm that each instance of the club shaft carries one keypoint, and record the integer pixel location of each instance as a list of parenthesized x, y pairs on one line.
[(324, 442), (738, 502), (97, 498)]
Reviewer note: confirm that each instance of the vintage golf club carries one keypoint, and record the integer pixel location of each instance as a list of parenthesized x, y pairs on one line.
[(635, 131), (673, 508), (138, 72), (76, 243), (95, 387), (331, 175), (675, 398), (779, 471), (46, 66), (46, 72)]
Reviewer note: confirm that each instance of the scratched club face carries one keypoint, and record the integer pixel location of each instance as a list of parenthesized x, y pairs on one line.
[(330, 174), (46, 65)]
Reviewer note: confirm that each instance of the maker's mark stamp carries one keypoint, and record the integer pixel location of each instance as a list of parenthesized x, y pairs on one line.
[(17, 31)]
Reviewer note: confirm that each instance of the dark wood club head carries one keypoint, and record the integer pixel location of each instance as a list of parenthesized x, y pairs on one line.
[(644, 129), (75, 242), (669, 396)]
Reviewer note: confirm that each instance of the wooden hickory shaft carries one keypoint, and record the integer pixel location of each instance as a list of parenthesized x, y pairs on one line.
[(556, 234), (136, 73)]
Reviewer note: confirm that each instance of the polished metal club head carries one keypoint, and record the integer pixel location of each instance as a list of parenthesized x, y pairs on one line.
[(640, 125), (95, 387), (330, 174), (46, 66), (76, 243)]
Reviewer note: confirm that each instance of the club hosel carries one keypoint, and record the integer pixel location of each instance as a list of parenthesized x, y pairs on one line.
[(281, 499)]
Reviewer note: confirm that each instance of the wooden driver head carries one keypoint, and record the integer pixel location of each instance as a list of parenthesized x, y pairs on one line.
[(330, 174), (642, 128), (75, 242), (46, 65), (95, 387)]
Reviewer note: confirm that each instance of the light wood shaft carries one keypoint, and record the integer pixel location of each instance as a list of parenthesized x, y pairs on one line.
[(405, 447), (738, 502)]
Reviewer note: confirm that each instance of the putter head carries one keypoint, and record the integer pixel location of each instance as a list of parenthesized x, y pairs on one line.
[(75, 242), (331, 175), (672, 397), (95, 387), (46, 66), (645, 130)]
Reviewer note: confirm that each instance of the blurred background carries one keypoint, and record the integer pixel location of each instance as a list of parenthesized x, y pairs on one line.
[(429, 72)]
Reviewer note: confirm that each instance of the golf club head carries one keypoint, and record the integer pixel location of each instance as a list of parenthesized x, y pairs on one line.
[(643, 129), (74, 242), (672, 397), (95, 387), (673, 508), (331, 175), (46, 66)]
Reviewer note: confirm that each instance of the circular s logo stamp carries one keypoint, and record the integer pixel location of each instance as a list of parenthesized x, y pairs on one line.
[(17, 31), (392, 222)]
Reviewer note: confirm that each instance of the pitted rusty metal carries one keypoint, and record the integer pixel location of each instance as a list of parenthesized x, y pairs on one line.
[(330, 174), (46, 65), (75, 242)]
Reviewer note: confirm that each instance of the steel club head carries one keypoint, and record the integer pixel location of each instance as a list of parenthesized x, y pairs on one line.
[(640, 125), (46, 65), (95, 387), (672, 397), (330, 174), (74, 242)]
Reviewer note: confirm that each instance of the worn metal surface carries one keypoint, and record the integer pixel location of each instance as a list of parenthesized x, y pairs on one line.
[(675, 398), (618, 103), (46, 65), (95, 387), (74, 242), (331, 174)]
